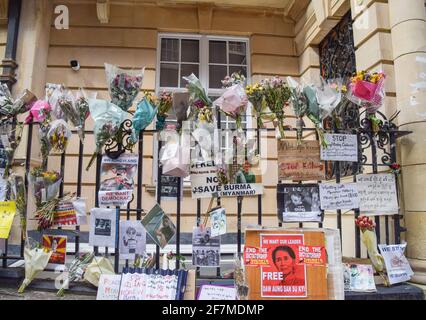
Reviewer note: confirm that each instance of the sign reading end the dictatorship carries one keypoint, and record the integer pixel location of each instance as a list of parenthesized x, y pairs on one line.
[(205, 184), (341, 147)]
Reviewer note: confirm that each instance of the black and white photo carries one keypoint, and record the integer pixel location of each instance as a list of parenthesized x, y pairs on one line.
[(132, 239), (103, 227), (205, 248), (298, 203)]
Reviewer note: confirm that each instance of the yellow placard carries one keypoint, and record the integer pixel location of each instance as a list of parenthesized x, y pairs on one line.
[(7, 213)]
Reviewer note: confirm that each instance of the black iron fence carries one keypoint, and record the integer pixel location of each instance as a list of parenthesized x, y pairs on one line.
[(377, 150)]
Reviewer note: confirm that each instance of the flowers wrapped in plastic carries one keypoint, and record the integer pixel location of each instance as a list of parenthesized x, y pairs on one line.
[(36, 259), (277, 95), (201, 105), (58, 135), (45, 184), (45, 214), (300, 106), (164, 103), (10, 107), (123, 85), (329, 96), (369, 238), (76, 109), (19, 195), (145, 113), (260, 108), (11, 140), (76, 271), (54, 93), (367, 90), (233, 101), (98, 266), (108, 119), (39, 112), (314, 113)]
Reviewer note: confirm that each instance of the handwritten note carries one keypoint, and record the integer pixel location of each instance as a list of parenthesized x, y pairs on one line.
[(300, 162), (377, 194), (109, 287), (341, 147), (133, 286), (335, 196), (211, 292)]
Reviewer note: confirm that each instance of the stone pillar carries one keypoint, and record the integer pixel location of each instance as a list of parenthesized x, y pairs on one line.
[(408, 31)]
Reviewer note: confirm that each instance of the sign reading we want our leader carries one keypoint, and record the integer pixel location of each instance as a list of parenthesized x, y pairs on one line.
[(205, 184)]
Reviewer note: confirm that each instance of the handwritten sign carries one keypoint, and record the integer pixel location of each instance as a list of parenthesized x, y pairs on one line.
[(377, 194), (300, 162), (341, 147), (335, 196), (109, 287), (211, 292), (133, 286)]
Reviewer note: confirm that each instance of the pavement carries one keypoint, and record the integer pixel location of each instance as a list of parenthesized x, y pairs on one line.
[(11, 293)]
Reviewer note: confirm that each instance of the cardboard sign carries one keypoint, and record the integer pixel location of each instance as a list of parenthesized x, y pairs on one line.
[(335, 196), (284, 277), (109, 287), (255, 257), (58, 245), (397, 267), (300, 162), (341, 147), (103, 227), (211, 292), (133, 286), (377, 194), (7, 214)]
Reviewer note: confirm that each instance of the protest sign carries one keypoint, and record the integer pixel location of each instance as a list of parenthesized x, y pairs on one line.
[(58, 246), (7, 214), (335, 196), (341, 147), (212, 292), (109, 287), (103, 227), (397, 267)]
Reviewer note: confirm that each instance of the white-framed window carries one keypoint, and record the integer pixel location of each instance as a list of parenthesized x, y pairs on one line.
[(211, 58)]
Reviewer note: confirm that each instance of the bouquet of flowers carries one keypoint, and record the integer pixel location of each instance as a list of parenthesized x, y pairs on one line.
[(367, 90), (54, 94), (201, 105), (10, 107), (36, 259), (123, 85), (58, 135), (45, 214), (369, 238), (76, 270), (233, 101), (145, 113), (10, 145), (314, 113), (108, 119), (329, 96), (45, 185), (164, 103), (18, 194), (277, 95), (255, 95)]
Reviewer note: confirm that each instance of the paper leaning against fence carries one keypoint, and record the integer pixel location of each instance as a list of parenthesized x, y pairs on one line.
[(397, 267)]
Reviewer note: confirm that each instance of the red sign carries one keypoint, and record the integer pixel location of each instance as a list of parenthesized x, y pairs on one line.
[(312, 255), (285, 277), (255, 257), (65, 214)]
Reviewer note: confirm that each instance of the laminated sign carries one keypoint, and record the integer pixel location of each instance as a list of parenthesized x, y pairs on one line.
[(341, 147), (117, 185), (397, 266), (7, 214)]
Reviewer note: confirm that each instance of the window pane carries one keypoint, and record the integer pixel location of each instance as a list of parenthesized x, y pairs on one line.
[(190, 51), (169, 75), (237, 52), (242, 70), (217, 52), (186, 70), (216, 75), (170, 50)]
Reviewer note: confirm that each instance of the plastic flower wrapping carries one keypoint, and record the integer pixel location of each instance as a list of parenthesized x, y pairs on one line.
[(175, 154), (39, 112), (19, 195), (300, 106), (145, 113), (58, 135), (277, 95), (54, 93), (44, 184), (76, 271), (123, 85), (233, 101), (369, 239), (98, 266), (164, 103), (36, 260), (255, 95), (314, 113), (9, 107), (329, 96), (10, 141), (367, 90), (108, 118)]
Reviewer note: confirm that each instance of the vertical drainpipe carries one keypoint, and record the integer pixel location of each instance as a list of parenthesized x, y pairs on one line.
[(9, 62)]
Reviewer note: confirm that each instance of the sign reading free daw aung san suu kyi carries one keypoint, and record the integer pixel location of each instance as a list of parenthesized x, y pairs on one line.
[(205, 182)]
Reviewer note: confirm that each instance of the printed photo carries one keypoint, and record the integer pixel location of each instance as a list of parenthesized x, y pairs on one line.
[(159, 226), (103, 227), (58, 245), (205, 248), (299, 203), (218, 222), (132, 239)]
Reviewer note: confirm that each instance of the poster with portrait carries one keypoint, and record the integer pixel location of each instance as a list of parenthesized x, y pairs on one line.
[(117, 183), (300, 162), (159, 226), (299, 203), (284, 277), (132, 239), (218, 222), (58, 245), (205, 248), (103, 224)]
